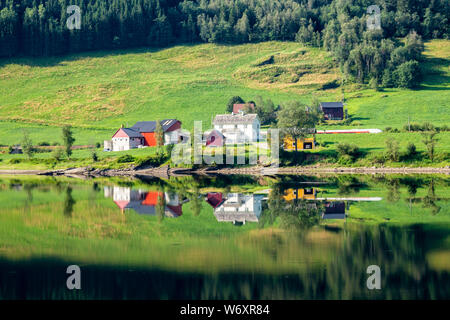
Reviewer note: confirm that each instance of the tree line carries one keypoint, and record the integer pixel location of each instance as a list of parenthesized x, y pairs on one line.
[(38, 28)]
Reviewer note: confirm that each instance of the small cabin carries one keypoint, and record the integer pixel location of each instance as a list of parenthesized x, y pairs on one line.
[(332, 110), (334, 210), (302, 144), (16, 150), (300, 194)]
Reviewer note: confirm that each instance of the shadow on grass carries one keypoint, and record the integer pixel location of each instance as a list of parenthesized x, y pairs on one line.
[(53, 61)]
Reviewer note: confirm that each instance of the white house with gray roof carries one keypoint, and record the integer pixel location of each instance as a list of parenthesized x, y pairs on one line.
[(238, 128), (239, 208)]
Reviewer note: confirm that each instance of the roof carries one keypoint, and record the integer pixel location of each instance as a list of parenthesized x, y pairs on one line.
[(214, 132), (150, 126), (214, 199), (132, 133), (333, 216), (240, 106), (333, 105), (235, 118)]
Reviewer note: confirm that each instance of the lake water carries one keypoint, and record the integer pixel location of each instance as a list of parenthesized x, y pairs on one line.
[(225, 237)]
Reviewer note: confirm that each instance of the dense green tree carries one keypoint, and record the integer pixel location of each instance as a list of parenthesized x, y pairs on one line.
[(38, 28), (68, 140), (295, 121), (232, 102)]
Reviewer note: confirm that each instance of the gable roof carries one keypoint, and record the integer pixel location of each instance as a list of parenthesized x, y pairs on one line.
[(132, 133), (214, 199), (235, 118), (333, 105), (214, 132), (240, 106), (129, 132), (150, 126)]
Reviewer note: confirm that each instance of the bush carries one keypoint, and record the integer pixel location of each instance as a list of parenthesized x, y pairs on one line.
[(411, 151), (43, 144), (407, 75), (57, 154), (392, 150), (345, 160), (15, 161), (126, 158), (373, 83), (426, 126), (94, 156), (98, 145), (348, 150), (378, 159)]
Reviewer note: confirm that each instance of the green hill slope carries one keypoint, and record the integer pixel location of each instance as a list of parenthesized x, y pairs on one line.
[(97, 92)]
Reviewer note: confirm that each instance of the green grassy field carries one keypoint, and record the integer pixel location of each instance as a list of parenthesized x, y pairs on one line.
[(97, 92)]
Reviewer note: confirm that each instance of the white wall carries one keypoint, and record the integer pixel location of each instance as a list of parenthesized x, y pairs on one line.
[(240, 133), (171, 137), (122, 144), (239, 207)]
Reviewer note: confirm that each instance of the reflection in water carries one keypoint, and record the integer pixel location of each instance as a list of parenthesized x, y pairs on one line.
[(146, 202), (237, 208), (69, 202), (333, 207), (296, 240)]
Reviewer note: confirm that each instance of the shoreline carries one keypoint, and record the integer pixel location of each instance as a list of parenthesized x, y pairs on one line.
[(256, 171)]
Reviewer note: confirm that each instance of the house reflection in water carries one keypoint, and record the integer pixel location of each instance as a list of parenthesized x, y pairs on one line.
[(145, 202), (237, 208), (335, 208)]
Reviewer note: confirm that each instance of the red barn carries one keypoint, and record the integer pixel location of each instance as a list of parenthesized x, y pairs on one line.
[(147, 130), (143, 134)]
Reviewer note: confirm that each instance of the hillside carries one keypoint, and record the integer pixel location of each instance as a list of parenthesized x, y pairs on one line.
[(97, 92)]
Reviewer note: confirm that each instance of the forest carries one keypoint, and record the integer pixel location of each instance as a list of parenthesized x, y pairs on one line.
[(38, 28)]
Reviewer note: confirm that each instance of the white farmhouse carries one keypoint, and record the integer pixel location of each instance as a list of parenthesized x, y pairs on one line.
[(238, 128), (239, 208)]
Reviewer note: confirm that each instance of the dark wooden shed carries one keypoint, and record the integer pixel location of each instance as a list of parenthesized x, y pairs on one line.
[(332, 110)]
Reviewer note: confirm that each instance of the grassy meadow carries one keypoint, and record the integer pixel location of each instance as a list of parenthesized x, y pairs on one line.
[(99, 91)]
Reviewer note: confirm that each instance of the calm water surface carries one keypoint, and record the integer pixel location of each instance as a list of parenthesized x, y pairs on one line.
[(225, 238)]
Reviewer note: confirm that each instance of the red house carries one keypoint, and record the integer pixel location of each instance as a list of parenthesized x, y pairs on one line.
[(215, 139), (238, 107), (214, 199), (147, 130), (143, 134)]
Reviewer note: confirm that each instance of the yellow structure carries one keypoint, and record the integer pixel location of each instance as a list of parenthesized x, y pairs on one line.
[(303, 144), (303, 194)]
